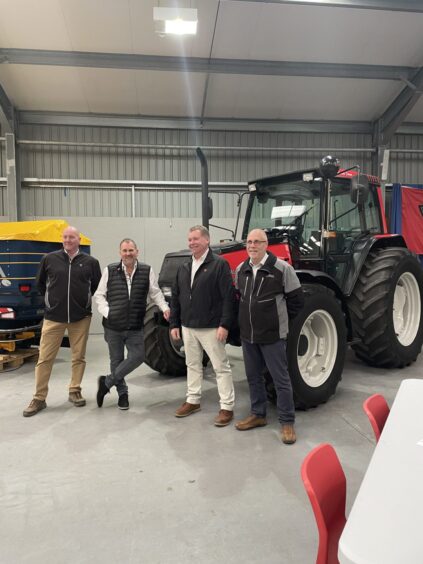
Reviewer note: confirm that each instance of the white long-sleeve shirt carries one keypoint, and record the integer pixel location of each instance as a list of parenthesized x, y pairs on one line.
[(154, 292)]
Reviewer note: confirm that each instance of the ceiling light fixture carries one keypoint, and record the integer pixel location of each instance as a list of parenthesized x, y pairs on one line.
[(175, 21)]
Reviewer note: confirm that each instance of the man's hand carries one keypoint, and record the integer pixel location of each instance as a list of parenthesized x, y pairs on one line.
[(222, 334), (166, 314), (175, 334)]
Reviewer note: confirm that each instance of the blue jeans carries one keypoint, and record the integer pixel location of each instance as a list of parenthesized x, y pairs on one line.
[(119, 365), (273, 357)]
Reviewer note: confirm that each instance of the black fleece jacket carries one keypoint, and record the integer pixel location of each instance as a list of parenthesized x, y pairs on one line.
[(67, 285)]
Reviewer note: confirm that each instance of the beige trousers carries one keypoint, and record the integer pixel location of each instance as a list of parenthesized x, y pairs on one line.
[(51, 338), (195, 342)]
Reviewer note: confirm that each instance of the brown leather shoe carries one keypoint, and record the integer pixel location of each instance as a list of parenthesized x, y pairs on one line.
[(77, 399), (223, 418), (288, 434), (187, 409), (251, 422), (34, 407)]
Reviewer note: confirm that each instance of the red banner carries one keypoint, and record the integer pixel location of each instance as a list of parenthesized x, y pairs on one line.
[(412, 218)]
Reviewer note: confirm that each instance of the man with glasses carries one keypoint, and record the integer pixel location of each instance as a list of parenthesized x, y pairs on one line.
[(270, 294)]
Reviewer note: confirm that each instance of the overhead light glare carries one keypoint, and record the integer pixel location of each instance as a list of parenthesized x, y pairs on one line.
[(176, 21)]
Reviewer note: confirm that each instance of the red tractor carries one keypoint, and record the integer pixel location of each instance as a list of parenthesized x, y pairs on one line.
[(362, 286)]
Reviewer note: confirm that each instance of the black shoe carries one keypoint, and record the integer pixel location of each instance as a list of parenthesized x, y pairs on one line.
[(123, 402), (102, 390)]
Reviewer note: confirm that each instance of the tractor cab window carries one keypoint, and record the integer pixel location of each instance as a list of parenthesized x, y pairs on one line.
[(289, 211), (349, 219)]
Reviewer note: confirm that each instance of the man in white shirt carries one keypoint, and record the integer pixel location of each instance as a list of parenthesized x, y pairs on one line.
[(121, 299), (203, 308)]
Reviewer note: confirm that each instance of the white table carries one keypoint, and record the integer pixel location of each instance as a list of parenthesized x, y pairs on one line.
[(385, 525)]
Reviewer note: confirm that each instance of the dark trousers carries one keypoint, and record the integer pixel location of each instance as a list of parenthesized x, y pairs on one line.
[(273, 357), (119, 365)]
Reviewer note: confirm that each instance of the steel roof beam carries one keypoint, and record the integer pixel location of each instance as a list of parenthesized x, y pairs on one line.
[(173, 122), (387, 5), (389, 122), (203, 64), (7, 113)]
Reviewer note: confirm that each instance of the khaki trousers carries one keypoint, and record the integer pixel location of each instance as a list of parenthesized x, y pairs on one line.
[(51, 338), (195, 342)]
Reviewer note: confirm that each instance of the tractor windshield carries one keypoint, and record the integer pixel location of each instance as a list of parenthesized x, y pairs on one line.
[(289, 209)]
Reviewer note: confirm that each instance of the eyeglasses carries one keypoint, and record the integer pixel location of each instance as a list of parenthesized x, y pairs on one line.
[(255, 242)]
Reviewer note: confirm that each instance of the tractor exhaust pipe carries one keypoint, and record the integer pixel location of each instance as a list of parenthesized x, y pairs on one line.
[(205, 201)]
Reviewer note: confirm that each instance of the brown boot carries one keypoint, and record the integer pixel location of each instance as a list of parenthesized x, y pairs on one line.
[(77, 399), (34, 407), (251, 422), (288, 434), (223, 418), (187, 409)]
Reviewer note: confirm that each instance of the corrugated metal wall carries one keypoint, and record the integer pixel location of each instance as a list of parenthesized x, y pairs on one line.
[(181, 165), (406, 166)]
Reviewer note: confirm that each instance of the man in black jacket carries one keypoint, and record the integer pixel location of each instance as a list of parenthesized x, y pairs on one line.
[(270, 294), (203, 306), (121, 299), (67, 279)]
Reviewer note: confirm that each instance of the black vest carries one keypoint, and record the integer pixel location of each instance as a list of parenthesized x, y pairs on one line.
[(127, 313)]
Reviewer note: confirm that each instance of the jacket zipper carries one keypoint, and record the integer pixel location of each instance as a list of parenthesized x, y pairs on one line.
[(259, 288), (249, 308), (69, 277)]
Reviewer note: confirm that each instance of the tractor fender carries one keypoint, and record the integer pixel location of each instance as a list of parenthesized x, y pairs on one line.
[(320, 277), (362, 248)]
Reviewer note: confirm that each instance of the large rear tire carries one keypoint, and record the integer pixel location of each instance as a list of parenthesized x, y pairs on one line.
[(316, 348), (161, 352), (387, 308)]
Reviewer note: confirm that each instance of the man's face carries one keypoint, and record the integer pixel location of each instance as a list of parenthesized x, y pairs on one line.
[(71, 240), (197, 243), (256, 245), (128, 253)]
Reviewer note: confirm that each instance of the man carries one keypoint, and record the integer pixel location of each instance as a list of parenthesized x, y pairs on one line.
[(203, 305), (67, 279), (121, 299), (270, 293)]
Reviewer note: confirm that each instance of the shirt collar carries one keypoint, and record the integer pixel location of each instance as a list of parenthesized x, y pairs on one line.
[(261, 263), (135, 267), (77, 253), (202, 258)]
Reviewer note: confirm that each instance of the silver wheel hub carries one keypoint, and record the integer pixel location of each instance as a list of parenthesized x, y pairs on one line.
[(317, 348), (406, 309)]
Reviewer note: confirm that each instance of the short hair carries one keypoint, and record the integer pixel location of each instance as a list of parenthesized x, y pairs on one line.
[(127, 240), (203, 230)]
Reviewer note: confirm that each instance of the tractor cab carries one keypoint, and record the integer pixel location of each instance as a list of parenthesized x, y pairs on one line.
[(321, 220)]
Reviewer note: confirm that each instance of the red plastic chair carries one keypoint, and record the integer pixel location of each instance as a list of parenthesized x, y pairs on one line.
[(325, 484), (377, 410)]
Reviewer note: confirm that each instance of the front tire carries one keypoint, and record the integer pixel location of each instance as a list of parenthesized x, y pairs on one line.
[(387, 308), (316, 348)]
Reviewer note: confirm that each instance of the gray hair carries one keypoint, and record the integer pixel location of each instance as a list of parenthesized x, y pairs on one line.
[(127, 240), (203, 230)]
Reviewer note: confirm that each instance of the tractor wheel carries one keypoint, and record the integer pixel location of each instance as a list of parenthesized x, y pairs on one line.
[(387, 308), (316, 348), (162, 353)]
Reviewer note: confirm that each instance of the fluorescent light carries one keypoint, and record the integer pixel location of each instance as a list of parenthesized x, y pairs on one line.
[(176, 21), (180, 27)]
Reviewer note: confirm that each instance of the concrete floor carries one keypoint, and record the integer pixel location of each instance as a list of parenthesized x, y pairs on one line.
[(92, 485)]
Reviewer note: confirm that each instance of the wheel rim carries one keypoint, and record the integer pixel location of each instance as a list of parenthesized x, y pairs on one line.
[(406, 309), (317, 348), (177, 346)]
